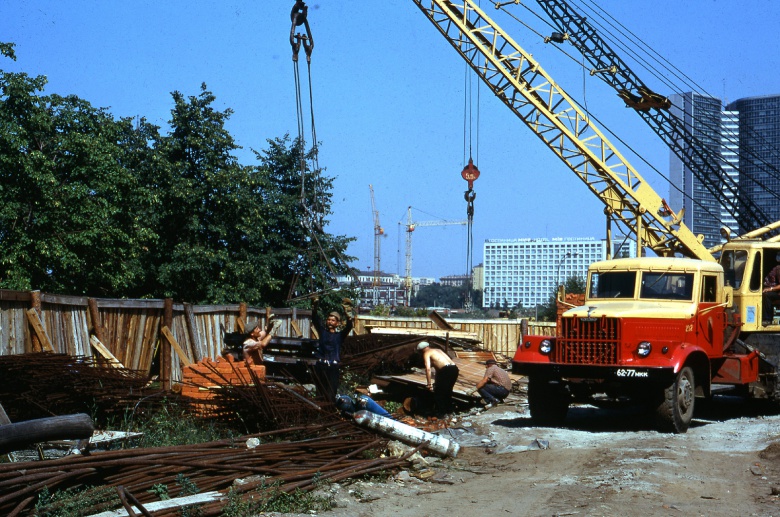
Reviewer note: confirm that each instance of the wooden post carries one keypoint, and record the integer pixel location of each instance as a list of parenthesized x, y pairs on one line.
[(165, 347), (194, 338), (241, 321), (94, 314), (35, 303)]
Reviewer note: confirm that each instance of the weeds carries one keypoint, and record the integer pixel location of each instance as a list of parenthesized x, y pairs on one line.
[(70, 502), (174, 425), (271, 499)]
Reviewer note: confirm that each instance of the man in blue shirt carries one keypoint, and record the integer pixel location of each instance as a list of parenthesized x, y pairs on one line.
[(328, 353)]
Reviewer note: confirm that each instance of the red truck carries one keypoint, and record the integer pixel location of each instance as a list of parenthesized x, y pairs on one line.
[(658, 332)]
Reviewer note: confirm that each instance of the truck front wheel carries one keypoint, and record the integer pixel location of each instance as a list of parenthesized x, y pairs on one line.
[(548, 401), (675, 411)]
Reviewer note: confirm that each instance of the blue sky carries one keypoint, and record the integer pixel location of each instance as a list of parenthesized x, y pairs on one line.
[(388, 100)]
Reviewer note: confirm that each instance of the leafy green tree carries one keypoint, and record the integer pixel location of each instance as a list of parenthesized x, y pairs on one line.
[(549, 311), (68, 204), (97, 206), (438, 295), (296, 203), (209, 222)]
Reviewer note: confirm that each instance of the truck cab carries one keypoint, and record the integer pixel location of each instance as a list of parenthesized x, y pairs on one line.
[(653, 330)]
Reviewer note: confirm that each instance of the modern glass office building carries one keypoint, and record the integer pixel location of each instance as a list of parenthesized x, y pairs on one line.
[(759, 151), (526, 272), (702, 116)]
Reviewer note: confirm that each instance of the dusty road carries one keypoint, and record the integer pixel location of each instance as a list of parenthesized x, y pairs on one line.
[(603, 462)]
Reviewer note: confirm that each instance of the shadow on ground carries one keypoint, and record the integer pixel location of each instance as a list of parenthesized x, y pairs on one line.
[(634, 418)]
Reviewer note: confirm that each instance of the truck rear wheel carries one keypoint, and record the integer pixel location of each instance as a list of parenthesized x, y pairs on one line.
[(675, 411), (548, 401)]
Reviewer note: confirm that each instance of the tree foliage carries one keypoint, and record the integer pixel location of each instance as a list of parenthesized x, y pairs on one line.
[(97, 206), (438, 295)]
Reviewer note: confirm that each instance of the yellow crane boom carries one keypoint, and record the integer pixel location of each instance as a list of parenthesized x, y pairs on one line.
[(516, 78)]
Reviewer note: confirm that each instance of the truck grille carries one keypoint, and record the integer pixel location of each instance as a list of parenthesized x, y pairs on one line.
[(588, 341)]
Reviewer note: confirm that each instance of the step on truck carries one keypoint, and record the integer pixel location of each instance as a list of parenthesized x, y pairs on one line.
[(659, 332)]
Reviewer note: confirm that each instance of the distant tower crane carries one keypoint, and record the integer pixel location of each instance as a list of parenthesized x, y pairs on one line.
[(410, 227), (378, 232)]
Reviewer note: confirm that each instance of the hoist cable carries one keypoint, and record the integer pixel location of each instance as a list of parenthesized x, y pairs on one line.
[(595, 118)]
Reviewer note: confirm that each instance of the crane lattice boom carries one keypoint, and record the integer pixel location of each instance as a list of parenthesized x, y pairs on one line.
[(522, 84)]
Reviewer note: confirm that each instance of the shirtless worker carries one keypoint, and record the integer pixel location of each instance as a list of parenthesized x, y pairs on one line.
[(446, 375)]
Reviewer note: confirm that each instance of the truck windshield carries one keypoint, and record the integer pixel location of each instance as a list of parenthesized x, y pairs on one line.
[(612, 284), (733, 262), (667, 286)]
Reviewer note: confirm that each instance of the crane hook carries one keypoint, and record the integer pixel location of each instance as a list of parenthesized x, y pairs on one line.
[(299, 17)]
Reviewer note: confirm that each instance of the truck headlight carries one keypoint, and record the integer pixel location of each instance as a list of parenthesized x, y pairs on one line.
[(644, 348), (545, 347)]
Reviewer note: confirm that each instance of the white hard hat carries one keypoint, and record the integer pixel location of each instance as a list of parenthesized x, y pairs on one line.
[(422, 345)]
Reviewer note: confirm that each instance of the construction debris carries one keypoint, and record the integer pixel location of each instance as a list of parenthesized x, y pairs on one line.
[(286, 460)]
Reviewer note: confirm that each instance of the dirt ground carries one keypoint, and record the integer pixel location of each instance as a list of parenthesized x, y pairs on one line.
[(602, 462)]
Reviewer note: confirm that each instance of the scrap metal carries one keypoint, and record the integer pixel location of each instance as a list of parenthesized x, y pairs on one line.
[(286, 460)]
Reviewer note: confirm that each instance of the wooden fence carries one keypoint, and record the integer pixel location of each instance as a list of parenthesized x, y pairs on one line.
[(497, 335), (138, 332)]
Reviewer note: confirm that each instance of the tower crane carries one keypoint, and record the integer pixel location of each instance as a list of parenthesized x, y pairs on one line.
[(378, 233), (411, 226)]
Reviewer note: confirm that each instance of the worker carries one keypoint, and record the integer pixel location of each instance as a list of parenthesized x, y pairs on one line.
[(328, 353), (258, 339), (446, 375), (771, 292), (495, 385)]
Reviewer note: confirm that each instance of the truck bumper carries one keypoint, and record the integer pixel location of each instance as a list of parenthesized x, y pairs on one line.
[(609, 373)]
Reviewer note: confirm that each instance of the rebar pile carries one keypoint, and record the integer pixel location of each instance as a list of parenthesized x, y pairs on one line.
[(256, 405), (285, 460), (377, 353), (46, 384)]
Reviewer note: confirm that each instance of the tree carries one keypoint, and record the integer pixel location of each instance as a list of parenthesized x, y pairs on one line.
[(549, 311), (296, 203), (438, 295), (69, 206), (97, 206)]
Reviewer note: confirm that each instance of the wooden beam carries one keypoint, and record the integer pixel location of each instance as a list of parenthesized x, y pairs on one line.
[(439, 321), (296, 328), (176, 502), (105, 352), (40, 332), (179, 350), (455, 334), (195, 342)]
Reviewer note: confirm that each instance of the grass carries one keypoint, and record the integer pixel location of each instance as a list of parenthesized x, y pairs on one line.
[(70, 502)]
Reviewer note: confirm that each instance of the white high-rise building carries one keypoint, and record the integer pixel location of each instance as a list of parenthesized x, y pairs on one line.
[(526, 272)]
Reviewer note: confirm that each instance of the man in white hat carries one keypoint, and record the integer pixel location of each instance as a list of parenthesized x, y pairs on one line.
[(446, 375)]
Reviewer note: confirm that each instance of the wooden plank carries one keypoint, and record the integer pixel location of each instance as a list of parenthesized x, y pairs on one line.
[(116, 303), (177, 502), (439, 320), (37, 325), (455, 334), (62, 299), (172, 340), (296, 328), (14, 296), (189, 318), (105, 352)]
